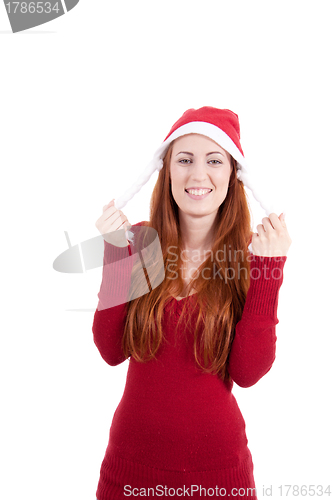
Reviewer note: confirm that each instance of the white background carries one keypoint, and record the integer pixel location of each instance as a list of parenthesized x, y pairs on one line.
[(85, 100)]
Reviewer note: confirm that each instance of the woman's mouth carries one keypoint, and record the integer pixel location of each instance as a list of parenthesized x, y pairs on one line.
[(198, 194)]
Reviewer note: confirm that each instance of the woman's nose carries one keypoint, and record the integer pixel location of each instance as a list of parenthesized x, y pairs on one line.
[(199, 170)]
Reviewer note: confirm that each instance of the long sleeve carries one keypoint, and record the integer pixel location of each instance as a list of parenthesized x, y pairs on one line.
[(253, 349), (110, 315)]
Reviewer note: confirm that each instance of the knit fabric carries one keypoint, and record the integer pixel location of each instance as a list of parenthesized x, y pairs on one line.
[(177, 427)]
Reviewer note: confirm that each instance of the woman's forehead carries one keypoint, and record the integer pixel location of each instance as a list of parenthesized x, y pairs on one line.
[(196, 142)]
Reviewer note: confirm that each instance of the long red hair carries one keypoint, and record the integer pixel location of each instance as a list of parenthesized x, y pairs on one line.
[(220, 301)]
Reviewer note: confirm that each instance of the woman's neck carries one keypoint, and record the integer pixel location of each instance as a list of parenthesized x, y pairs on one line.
[(197, 233)]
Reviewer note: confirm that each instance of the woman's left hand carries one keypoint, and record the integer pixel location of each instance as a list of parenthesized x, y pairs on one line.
[(272, 238)]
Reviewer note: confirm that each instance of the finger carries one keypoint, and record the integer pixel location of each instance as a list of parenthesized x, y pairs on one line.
[(113, 224), (276, 221), (122, 222), (260, 229), (111, 203), (125, 225), (119, 220), (111, 210), (268, 226), (282, 219)]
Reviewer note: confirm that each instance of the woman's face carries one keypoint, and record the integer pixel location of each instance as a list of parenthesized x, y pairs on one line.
[(198, 162)]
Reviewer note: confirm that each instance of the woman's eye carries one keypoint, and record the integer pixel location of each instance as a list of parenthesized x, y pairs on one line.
[(186, 161)]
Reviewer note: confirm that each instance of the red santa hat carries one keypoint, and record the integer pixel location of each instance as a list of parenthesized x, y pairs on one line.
[(220, 125)]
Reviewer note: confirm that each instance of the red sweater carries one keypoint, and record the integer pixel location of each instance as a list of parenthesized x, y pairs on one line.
[(176, 426)]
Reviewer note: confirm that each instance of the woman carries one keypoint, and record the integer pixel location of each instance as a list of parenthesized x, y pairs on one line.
[(177, 430)]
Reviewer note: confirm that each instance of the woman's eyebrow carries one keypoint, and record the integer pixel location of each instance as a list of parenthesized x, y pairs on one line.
[(215, 152), (191, 154)]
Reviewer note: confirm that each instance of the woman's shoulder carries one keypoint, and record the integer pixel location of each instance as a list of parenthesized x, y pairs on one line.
[(142, 223)]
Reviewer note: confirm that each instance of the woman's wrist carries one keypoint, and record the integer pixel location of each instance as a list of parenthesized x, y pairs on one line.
[(266, 277)]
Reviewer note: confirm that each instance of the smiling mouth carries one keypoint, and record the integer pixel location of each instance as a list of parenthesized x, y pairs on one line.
[(198, 192)]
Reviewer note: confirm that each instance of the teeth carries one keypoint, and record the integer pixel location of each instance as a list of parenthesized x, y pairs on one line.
[(198, 192)]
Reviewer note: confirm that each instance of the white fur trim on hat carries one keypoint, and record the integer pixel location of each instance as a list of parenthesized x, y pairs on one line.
[(209, 130)]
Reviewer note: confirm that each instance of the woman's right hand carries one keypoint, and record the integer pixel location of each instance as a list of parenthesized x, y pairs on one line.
[(112, 225)]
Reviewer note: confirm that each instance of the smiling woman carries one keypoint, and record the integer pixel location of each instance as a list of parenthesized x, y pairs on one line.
[(195, 334), (198, 173)]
